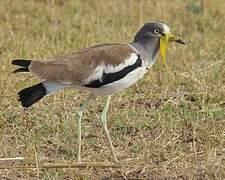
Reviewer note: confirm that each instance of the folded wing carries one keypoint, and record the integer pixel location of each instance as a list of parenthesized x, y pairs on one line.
[(85, 66)]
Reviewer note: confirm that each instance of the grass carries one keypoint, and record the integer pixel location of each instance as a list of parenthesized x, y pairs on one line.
[(171, 125)]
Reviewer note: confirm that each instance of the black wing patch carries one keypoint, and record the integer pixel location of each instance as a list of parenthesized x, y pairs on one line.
[(112, 77)]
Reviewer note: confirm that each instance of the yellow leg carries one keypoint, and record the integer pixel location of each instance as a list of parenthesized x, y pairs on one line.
[(103, 121), (82, 108)]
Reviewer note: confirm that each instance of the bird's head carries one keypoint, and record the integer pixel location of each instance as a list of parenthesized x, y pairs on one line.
[(157, 32)]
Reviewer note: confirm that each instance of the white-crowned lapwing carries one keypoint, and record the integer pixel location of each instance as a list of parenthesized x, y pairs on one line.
[(102, 69)]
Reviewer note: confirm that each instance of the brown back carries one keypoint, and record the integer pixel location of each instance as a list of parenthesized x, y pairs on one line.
[(77, 67)]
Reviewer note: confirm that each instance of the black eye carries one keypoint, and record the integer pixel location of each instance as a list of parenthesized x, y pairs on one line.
[(156, 31)]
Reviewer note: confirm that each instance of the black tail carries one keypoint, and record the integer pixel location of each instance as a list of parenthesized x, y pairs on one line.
[(31, 95), (23, 63)]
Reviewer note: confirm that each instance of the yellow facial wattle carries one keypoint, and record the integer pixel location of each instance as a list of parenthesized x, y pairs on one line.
[(164, 41)]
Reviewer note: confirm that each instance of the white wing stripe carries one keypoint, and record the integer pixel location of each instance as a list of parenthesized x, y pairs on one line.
[(98, 72), (128, 62)]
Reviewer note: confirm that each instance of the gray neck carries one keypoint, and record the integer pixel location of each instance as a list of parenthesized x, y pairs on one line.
[(148, 49)]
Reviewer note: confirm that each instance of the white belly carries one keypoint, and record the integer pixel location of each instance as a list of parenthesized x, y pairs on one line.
[(121, 84)]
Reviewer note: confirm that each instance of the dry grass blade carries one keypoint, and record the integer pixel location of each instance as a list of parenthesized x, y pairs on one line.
[(72, 165), (11, 159)]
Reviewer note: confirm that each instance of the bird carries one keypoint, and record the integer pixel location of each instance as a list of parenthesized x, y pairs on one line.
[(102, 70)]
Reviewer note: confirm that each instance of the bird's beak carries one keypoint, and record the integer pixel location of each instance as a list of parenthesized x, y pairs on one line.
[(164, 41)]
